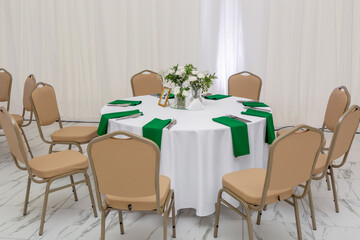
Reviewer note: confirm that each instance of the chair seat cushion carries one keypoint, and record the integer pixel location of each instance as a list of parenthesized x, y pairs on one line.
[(58, 163), (248, 184), (320, 164), (77, 134), (141, 203), (19, 119)]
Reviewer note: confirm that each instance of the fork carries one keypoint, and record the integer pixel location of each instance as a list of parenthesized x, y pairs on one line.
[(171, 124), (130, 116)]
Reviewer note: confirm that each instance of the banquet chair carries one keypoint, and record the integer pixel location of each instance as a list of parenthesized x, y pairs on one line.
[(146, 82), (5, 86), (29, 84), (340, 145), (291, 161), (47, 168), (44, 104), (126, 176), (245, 84)]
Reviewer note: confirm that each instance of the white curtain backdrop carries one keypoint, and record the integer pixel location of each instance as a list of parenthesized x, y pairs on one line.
[(88, 50)]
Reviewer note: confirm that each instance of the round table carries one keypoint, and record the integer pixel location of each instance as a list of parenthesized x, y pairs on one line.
[(197, 152)]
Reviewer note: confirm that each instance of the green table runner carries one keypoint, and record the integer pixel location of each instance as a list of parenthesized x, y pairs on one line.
[(132, 103), (239, 134), (171, 95), (102, 128), (153, 130), (254, 104), (270, 130), (217, 96)]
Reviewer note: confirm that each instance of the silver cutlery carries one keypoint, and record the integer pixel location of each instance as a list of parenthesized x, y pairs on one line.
[(242, 101), (206, 94), (171, 124), (259, 109), (238, 118), (118, 105), (129, 116)]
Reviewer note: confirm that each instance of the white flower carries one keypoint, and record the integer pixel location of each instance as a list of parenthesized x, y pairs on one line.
[(181, 67), (201, 75), (186, 84), (194, 72), (176, 90), (192, 78), (185, 93)]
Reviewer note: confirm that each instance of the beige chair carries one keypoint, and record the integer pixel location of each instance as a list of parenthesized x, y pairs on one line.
[(146, 82), (47, 168), (341, 141), (245, 84), (28, 86), (291, 161), (5, 87), (44, 104), (126, 176)]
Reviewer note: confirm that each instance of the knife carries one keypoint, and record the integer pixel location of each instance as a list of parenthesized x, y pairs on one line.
[(129, 116), (259, 109), (171, 124), (118, 105), (238, 118)]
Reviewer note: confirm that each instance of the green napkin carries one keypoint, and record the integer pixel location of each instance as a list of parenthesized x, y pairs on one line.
[(132, 103), (171, 95), (153, 130), (239, 134), (217, 96), (254, 104), (102, 128), (270, 130)]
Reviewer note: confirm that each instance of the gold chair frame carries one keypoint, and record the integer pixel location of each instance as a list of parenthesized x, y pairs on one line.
[(328, 170), (140, 73), (48, 181), (105, 209), (9, 91), (242, 74), (262, 205), (52, 143)]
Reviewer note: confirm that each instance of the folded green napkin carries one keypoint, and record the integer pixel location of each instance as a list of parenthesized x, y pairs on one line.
[(153, 130), (239, 134), (171, 95), (102, 128), (132, 103), (254, 104), (270, 130), (217, 96)]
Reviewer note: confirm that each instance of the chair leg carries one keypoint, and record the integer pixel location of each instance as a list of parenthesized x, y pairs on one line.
[(173, 216), (27, 196), (121, 222), (26, 142), (265, 207), (298, 226), (73, 188), (165, 218), (51, 147), (334, 189), (248, 220), (69, 147), (90, 193), (103, 216), (328, 181), (311, 204), (217, 214), (44, 208), (258, 217)]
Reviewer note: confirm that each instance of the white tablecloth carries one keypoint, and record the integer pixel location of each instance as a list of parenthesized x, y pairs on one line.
[(197, 152)]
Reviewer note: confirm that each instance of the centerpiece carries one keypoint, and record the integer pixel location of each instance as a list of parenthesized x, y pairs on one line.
[(182, 79)]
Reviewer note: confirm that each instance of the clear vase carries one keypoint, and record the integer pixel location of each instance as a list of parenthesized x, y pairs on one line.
[(179, 101), (196, 94)]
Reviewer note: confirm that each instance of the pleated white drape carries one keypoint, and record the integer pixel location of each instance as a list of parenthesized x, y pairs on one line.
[(90, 49)]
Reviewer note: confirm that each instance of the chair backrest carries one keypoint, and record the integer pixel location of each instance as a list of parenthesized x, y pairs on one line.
[(344, 134), (28, 86), (338, 103), (44, 104), (5, 86), (146, 82), (245, 84), (13, 136), (127, 167), (292, 158)]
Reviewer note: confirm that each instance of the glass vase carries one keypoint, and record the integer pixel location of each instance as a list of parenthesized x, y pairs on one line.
[(179, 101), (196, 94)]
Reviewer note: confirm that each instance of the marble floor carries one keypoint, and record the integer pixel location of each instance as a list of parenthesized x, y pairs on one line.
[(67, 219)]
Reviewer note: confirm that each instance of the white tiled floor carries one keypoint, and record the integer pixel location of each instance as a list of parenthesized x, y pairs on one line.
[(67, 219)]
